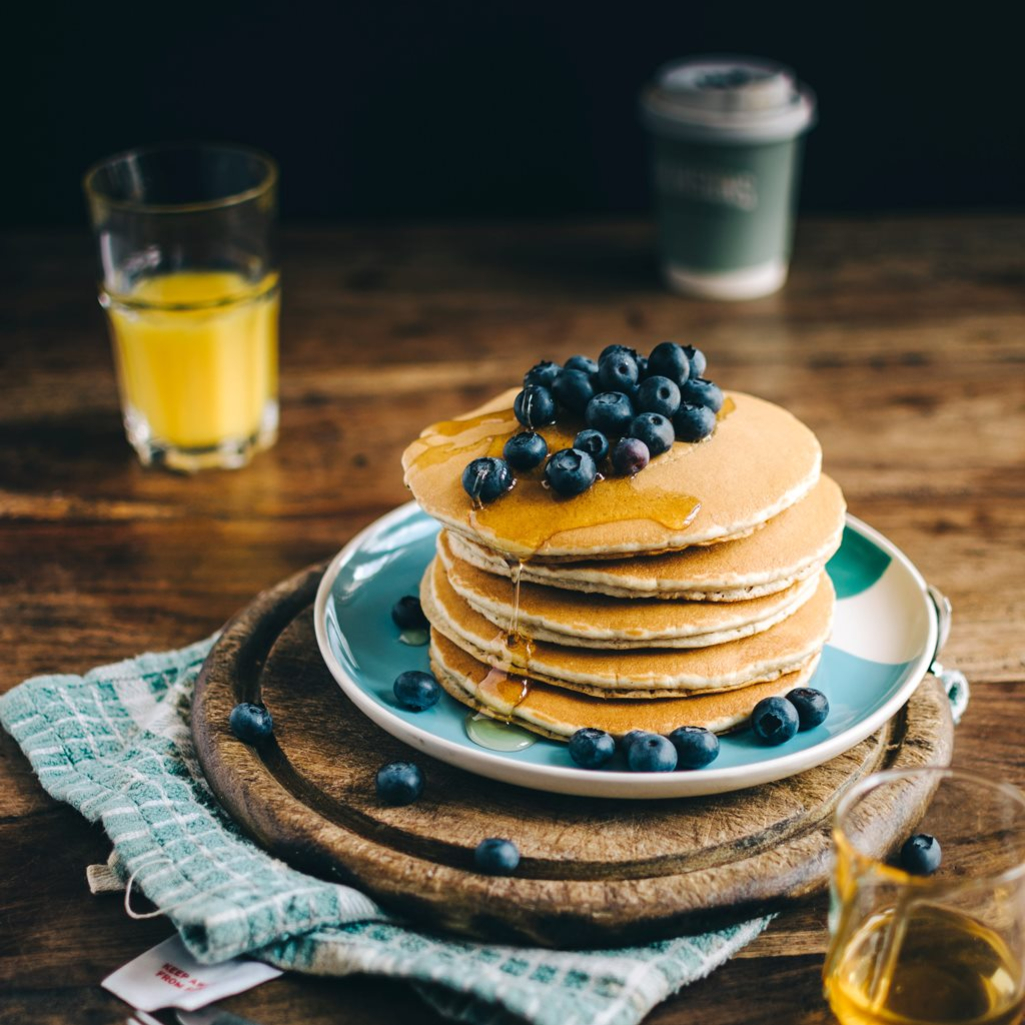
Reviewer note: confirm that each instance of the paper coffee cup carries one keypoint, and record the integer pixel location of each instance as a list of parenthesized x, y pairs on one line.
[(726, 152)]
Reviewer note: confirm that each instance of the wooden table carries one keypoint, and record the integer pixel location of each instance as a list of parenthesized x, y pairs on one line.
[(901, 342)]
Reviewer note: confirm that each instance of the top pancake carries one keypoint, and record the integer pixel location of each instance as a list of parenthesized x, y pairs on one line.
[(760, 461)]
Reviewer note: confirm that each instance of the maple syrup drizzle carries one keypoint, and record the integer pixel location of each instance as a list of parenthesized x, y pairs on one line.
[(513, 638), (505, 689)]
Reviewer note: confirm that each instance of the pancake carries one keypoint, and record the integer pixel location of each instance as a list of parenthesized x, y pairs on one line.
[(760, 461), (567, 617), (788, 548), (643, 673), (558, 714)]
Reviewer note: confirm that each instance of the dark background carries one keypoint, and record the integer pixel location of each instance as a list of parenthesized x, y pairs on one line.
[(401, 109)]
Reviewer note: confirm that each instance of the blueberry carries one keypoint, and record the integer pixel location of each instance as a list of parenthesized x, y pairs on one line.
[(570, 472), (774, 720), (658, 395), (654, 430), (399, 783), (574, 389), (593, 442), (618, 372), (695, 746), (616, 350), (628, 740), (630, 456), (525, 450), (591, 749), (496, 857), (811, 704), (642, 368), (534, 406), (487, 478), (693, 423), (408, 615), (416, 690), (251, 723), (669, 360), (700, 392), (610, 412), (582, 363), (651, 753), (543, 373), (698, 363), (921, 855)]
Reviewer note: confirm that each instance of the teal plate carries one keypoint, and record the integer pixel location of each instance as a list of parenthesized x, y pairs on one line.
[(884, 638)]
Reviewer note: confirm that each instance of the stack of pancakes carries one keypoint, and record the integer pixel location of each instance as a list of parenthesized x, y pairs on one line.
[(680, 596)]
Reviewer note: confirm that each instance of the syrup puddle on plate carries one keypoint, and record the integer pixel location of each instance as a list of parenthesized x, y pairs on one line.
[(415, 638), (497, 736)]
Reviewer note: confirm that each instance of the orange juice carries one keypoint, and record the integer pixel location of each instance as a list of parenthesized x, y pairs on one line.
[(197, 355)]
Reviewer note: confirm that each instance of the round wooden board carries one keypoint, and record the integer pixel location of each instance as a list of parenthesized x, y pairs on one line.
[(593, 871)]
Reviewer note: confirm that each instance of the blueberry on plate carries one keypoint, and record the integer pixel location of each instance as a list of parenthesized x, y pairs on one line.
[(582, 363), (630, 456), (251, 723), (570, 472), (651, 753), (407, 614), (658, 395), (693, 423), (670, 360), (811, 704), (774, 720), (496, 857), (534, 406), (921, 855), (700, 392), (654, 430), (618, 372), (698, 363), (399, 783), (543, 373), (610, 412), (487, 478), (591, 748), (416, 690), (593, 442), (695, 746), (574, 389), (525, 450), (628, 740)]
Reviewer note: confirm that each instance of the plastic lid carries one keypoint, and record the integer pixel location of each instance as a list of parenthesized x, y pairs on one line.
[(726, 98)]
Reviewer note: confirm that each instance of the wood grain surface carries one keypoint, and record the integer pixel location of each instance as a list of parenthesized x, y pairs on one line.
[(593, 872), (900, 341)]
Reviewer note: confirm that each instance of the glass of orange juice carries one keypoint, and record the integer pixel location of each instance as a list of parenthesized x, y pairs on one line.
[(930, 931), (191, 289)]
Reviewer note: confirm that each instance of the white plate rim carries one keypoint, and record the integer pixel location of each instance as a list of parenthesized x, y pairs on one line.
[(601, 783)]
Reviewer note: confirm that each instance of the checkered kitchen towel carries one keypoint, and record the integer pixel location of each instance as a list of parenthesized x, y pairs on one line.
[(115, 744)]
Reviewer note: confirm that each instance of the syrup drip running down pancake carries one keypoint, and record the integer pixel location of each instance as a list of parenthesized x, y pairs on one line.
[(760, 461)]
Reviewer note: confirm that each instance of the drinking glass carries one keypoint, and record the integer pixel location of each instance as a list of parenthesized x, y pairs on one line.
[(190, 286), (940, 948)]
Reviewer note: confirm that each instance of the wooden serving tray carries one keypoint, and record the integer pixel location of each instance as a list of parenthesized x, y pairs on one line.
[(593, 871)]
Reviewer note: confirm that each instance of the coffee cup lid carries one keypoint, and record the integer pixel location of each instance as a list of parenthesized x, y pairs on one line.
[(727, 98)]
